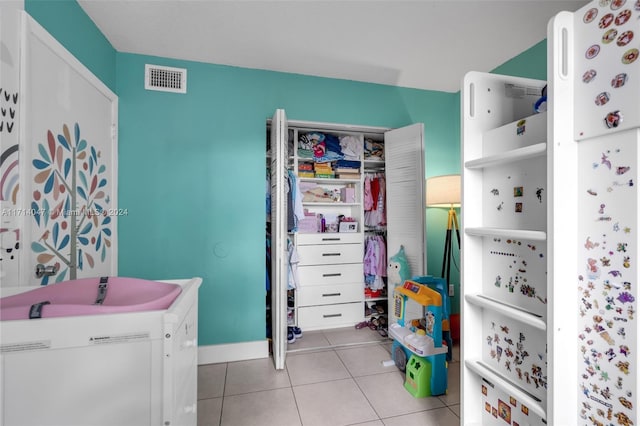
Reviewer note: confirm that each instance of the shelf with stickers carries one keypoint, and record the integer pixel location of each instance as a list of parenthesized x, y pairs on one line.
[(504, 278)]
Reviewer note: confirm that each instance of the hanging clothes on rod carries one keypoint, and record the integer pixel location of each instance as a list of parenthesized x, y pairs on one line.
[(375, 262), (375, 200)]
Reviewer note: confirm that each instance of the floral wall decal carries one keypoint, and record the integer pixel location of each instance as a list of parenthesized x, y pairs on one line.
[(70, 204)]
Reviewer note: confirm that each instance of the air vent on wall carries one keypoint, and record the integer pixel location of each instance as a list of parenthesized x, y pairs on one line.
[(165, 79)]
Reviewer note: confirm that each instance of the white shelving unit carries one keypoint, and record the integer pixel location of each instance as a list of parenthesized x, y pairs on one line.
[(504, 267), (571, 360)]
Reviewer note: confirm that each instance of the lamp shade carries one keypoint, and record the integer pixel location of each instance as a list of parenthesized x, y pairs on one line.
[(443, 191)]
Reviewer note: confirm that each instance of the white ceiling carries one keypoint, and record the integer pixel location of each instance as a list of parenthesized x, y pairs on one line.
[(425, 44)]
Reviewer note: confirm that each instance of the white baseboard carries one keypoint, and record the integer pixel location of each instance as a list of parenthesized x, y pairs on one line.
[(229, 352)]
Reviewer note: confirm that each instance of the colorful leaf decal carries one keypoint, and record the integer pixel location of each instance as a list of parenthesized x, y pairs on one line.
[(67, 167), (37, 247), (98, 241), (61, 276), (64, 242), (54, 233), (94, 184), (65, 131), (84, 241), (103, 182), (39, 164), (52, 144), (44, 153), (63, 142), (83, 179), (82, 194), (82, 145), (67, 207), (90, 259), (76, 129), (36, 212), (44, 258), (59, 157), (49, 185), (86, 229), (41, 177)]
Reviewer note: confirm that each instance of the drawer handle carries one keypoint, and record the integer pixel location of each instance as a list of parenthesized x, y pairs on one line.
[(331, 254), (331, 239), (332, 315), (337, 274), (331, 294)]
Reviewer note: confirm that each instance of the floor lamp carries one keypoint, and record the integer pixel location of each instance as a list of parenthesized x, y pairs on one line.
[(444, 191)]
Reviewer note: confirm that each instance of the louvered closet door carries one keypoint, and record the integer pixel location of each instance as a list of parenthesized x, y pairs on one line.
[(404, 168)]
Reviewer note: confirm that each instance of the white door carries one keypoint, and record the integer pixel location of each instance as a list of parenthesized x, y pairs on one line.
[(68, 164), (404, 168), (279, 238)]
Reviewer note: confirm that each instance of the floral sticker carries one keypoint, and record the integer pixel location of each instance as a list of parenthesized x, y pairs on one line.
[(625, 38), (609, 36), (630, 56), (589, 74), (592, 51), (590, 15), (605, 21), (623, 17)]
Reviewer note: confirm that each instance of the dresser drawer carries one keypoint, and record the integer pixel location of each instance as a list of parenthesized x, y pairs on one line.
[(330, 254), (327, 294), (328, 238), (330, 316), (347, 273)]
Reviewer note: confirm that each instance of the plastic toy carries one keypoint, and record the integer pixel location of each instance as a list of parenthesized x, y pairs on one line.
[(417, 346)]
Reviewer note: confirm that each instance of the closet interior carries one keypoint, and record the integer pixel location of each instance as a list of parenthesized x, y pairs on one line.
[(334, 206)]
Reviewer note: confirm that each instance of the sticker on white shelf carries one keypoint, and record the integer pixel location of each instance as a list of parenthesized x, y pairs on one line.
[(500, 407), (515, 272), (516, 351), (607, 281)]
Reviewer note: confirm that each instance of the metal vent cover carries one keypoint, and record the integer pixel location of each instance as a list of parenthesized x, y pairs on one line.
[(165, 79)]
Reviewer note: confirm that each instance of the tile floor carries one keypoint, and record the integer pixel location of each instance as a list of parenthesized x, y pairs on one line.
[(341, 385)]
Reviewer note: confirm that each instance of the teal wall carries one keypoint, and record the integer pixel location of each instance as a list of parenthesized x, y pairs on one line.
[(192, 167), (532, 63), (192, 172)]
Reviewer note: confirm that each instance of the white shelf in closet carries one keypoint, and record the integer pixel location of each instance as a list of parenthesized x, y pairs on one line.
[(330, 181)]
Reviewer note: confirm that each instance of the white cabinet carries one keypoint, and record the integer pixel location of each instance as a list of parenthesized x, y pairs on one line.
[(331, 283)]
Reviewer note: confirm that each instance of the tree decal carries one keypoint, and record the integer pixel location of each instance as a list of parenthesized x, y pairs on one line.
[(69, 204)]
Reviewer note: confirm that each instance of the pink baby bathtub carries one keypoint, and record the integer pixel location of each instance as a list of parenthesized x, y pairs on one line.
[(89, 296)]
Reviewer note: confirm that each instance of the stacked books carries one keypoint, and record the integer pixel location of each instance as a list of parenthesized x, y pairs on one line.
[(323, 170), (347, 173), (305, 170)]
